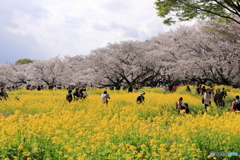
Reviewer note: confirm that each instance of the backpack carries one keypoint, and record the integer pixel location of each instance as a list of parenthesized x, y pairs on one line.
[(237, 106), (223, 93), (139, 98)]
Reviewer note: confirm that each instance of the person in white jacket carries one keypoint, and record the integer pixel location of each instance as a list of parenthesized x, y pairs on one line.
[(104, 97), (84, 92), (207, 98)]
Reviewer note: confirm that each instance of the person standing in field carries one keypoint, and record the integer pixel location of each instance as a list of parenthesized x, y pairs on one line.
[(207, 98), (80, 92), (218, 99), (188, 89), (130, 89), (3, 94), (69, 96), (84, 92), (203, 90), (223, 93), (175, 87), (104, 97), (38, 88), (76, 94), (212, 92), (198, 90)]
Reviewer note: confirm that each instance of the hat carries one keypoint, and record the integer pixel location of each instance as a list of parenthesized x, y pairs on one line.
[(142, 92)]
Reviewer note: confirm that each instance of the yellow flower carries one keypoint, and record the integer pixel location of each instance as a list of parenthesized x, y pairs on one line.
[(20, 147), (133, 147), (143, 146), (208, 108), (83, 127), (163, 145), (193, 145), (26, 153), (182, 111), (154, 154), (139, 155), (66, 147), (70, 150), (121, 145), (188, 140), (35, 149), (108, 143), (209, 156)]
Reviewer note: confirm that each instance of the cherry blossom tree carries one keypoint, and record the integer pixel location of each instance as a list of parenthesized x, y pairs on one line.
[(17, 74), (51, 72), (205, 52), (199, 54), (81, 70), (3, 80), (127, 62)]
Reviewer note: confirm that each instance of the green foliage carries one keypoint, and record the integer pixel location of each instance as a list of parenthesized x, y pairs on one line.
[(186, 10), (23, 61)]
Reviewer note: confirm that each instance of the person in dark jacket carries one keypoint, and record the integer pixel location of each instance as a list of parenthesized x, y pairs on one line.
[(141, 98), (69, 96), (218, 99)]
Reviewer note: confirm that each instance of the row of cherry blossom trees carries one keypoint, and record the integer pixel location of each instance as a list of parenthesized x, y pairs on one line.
[(205, 52)]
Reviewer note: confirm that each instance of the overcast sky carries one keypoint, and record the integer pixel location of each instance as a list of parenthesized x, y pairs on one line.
[(44, 29)]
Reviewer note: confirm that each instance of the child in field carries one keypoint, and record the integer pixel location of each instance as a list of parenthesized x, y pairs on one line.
[(104, 97), (141, 98), (69, 96), (182, 106)]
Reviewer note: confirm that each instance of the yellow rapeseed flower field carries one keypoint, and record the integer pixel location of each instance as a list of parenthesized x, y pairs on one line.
[(42, 125)]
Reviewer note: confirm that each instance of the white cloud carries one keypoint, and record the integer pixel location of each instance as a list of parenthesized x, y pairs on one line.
[(47, 28)]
